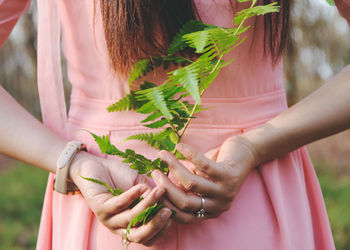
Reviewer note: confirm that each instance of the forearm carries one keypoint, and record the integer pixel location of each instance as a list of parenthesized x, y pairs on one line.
[(25, 138), (323, 113)]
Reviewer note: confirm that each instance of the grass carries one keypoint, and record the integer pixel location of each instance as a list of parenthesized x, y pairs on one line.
[(22, 190), (336, 191)]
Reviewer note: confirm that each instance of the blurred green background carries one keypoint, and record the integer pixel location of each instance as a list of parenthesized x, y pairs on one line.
[(319, 47)]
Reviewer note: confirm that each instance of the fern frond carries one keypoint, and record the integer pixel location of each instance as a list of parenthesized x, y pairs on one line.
[(144, 66), (152, 117), (157, 124), (129, 102), (155, 96), (144, 216), (139, 69), (255, 11), (162, 140), (178, 42), (330, 2), (188, 77), (147, 108), (105, 145), (117, 191)]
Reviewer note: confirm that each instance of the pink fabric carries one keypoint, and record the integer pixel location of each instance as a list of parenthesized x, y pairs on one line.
[(280, 205)]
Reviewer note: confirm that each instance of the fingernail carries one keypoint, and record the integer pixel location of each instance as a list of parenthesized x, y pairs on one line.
[(165, 214), (159, 193)]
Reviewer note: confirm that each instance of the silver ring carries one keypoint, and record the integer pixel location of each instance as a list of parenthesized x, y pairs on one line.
[(125, 240), (201, 212)]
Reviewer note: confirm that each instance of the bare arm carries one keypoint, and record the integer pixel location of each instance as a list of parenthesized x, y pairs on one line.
[(323, 113), (25, 138)]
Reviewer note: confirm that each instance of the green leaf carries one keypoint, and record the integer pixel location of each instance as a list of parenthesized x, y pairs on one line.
[(201, 40), (115, 192), (139, 69), (188, 77), (255, 11), (144, 216), (159, 140), (155, 95), (330, 2), (129, 102), (105, 145), (152, 117), (179, 156), (135, 202), (147, 108), (146, 65), (178, 42), (147, 85), (158, 124)]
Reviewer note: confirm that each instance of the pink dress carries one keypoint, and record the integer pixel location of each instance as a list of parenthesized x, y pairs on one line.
[(280, 205)]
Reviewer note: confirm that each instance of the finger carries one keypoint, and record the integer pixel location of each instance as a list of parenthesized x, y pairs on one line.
[(181, 216), (149, 230), (189, 181), (200, 162), (116, 204), (160, 234), (187, 202), (122, 219)]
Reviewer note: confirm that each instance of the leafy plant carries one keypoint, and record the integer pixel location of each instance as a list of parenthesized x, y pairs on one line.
[(166, 105), (330, 2)]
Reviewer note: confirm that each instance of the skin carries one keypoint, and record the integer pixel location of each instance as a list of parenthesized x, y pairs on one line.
[(24, 138), (218, 175)]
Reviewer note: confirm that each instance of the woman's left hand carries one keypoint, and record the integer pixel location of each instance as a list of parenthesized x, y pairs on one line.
[(217, 179)]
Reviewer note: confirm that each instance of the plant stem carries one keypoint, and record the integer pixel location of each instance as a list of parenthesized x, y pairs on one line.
[(215, 67)]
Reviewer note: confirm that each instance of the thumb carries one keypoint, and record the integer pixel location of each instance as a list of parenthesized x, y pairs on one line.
[(213, 153)]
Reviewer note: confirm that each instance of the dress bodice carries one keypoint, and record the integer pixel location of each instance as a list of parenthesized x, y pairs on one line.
[(89, 71)]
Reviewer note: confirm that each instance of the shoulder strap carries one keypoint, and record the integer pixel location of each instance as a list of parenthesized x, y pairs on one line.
[(51, 94), (50, 84)]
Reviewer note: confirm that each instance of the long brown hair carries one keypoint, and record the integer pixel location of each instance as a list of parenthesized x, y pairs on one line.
[(136, 29)]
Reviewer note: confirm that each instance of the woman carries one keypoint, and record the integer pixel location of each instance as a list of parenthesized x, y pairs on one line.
[(272, 209)]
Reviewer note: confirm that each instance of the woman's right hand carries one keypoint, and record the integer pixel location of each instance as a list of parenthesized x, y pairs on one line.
[(114, 211)]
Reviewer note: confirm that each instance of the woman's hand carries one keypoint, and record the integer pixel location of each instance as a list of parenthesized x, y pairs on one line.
[(217, 179), (114, 211)]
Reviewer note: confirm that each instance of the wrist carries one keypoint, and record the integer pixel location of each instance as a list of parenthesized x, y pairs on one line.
[(76, 165), (254, 155)]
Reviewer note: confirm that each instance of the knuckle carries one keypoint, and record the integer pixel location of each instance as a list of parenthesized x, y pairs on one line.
[(229, 196), (231, 176), (156, 226), (138, 240), (148, 244), (185, 205), (215, 215), (114, 230), (191, 155), (190, 185), (203, 166), (101, 214)]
